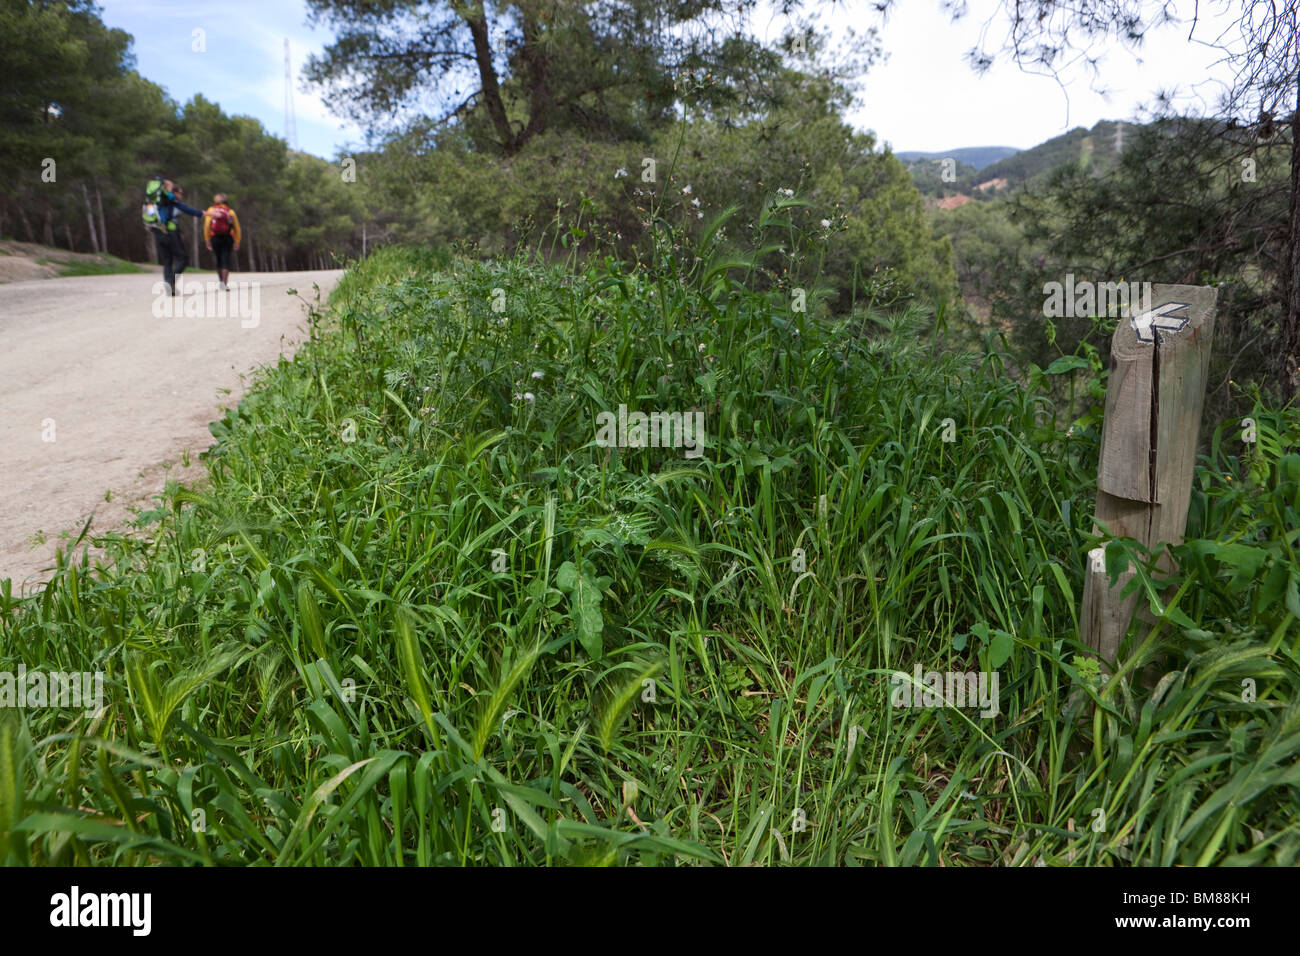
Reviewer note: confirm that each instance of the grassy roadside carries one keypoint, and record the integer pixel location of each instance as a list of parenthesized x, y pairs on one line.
[(25, 260), (106, 265), (419, 616)]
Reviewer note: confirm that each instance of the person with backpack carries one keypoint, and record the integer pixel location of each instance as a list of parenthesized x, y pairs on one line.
[(221, 234), (161, 215)]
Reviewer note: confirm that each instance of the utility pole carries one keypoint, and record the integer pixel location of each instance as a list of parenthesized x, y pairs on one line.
[(290, 124)]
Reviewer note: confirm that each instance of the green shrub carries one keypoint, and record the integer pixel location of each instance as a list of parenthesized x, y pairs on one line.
[(420, 617)]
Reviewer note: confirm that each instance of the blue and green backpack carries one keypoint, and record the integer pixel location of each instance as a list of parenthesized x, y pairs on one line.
[(154, 195)]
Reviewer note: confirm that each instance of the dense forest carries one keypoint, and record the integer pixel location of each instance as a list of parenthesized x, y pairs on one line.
[(702, 121), (84, 131)]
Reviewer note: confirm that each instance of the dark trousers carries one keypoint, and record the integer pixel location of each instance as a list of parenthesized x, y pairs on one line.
[(222, 246), (171, 254)]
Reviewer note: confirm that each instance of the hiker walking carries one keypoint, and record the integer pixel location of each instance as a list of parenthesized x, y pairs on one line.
[(161, 215), (221, 235)]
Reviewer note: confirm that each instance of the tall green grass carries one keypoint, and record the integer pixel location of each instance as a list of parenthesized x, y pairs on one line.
[(418, 617), (104, 265)]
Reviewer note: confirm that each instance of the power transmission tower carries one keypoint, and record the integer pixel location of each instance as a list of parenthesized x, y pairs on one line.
[(290, 124)]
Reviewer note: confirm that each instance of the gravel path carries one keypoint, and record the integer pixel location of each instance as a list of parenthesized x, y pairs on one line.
[(99, 395)]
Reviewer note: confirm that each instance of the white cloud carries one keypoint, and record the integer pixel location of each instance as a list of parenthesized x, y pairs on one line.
[(925, 96)]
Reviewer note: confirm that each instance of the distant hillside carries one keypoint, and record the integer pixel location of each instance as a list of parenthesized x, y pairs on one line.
[(976, 156), (1096, 148)]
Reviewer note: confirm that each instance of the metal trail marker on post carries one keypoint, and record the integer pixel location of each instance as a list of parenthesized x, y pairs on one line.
[(1159, 363)]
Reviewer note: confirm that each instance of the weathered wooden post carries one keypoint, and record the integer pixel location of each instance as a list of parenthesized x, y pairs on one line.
[(1159, 363)]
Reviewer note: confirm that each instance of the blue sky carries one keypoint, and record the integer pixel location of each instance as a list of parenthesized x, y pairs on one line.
[(242, 67), (922, 97)]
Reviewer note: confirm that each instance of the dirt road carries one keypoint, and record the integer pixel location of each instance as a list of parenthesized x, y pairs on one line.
[(104, 387)]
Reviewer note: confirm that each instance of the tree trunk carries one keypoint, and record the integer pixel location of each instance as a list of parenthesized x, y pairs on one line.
[(49, 226), (1289, 353), (27, 223), (103, 225), (67, 231), (538, 79), (90, 219), (476, 20)]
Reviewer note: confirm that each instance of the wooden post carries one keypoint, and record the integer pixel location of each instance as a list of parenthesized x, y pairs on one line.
[(1159, 363)]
